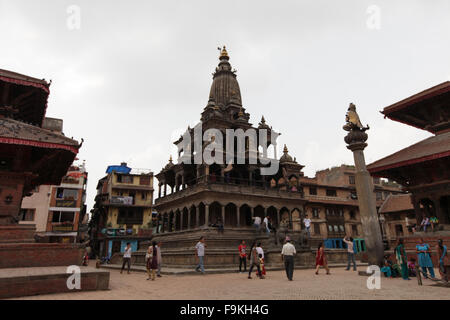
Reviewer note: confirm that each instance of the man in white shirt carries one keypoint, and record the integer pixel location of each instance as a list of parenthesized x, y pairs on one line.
[(266, 224), (200, 252), (287, 255), (257, 223), (307, 223), (350, 253), (127, 258)]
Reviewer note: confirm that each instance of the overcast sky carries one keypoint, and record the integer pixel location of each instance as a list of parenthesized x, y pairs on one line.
[(137, 73)]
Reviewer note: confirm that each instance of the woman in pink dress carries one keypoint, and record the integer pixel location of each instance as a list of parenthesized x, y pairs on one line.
[(321, 259)]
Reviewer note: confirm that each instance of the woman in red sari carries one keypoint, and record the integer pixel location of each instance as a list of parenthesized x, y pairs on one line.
[(321, 259)]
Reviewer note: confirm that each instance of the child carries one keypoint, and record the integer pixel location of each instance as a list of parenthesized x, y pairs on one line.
[(412, 267), (261, 262), (387, 268)]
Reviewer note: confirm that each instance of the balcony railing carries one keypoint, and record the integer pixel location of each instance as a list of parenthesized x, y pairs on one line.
[(231, 184)]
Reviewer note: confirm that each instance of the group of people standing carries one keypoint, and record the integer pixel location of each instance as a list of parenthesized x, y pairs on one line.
[(153, 260), (255, 256), (407, 268), (263, 224)]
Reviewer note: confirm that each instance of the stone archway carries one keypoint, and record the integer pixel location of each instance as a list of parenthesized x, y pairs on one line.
[(193, 216), (185, 220), (215, 212), (259, 212), (201, 214), (177, 220), (170, 224), (245, 216), (231, 215), (273, 215)]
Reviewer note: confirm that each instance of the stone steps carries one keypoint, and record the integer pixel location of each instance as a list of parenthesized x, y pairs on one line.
[(175, 270)]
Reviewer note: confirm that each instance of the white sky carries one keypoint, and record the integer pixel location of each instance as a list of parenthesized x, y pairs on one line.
[(138, 73)]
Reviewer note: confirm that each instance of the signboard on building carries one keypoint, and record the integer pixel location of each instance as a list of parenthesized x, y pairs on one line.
[(62, 228), (66, 203), (122, 200)]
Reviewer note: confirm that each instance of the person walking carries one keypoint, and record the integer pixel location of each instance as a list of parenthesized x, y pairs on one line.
[(257, 223), (242, 256), (127, 258), (287, 256), (424, 256), (402, 261), (443, 260), (350, 253), (266, 224), (254, 262), (321, 259), (307, 223), (152, 261), (158, 273), (200, 253)]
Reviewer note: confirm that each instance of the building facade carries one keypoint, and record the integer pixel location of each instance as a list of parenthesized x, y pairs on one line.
[(59, 211), (423, 168), (123, 210), (333, 203)]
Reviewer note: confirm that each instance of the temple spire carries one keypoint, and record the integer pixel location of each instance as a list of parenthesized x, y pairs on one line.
[(223, 53)]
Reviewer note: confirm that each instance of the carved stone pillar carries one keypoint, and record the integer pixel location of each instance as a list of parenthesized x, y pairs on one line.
[(206, 215), (223, 215), (181, 219), (197, 217), (356, 139), (238, 213)]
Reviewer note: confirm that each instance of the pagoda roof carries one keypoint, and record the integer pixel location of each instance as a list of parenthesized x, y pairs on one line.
[(426, 110), (20, 133), (397, 203), (431, 148), (26, 95)]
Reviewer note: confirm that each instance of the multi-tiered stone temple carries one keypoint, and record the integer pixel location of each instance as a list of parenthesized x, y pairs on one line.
[(195, 198)]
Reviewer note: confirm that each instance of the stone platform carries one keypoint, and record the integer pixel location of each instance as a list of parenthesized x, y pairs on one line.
[(217, 270), (21, 282), (178, 249)]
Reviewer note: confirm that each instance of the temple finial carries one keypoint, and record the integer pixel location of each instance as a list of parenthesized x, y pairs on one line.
[(223, 53)]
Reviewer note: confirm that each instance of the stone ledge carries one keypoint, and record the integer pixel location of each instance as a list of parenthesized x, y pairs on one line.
[(20, 282)]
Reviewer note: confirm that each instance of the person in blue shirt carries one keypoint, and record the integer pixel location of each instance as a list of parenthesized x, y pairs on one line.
[(443, 260), (424, 255)]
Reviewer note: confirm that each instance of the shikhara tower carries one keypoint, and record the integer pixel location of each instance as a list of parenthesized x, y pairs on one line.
[(203, 195)]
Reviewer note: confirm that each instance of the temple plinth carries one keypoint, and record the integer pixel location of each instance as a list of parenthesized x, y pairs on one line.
[(356, 140)]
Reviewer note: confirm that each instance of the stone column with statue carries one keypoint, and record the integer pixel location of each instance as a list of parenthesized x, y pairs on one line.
[(356, 140)]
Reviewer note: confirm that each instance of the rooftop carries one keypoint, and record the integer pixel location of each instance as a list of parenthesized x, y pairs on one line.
[(397, 203), (426, 110), (429, 149)]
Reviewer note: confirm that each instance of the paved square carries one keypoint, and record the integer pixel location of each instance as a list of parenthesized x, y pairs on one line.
[(340, 284)]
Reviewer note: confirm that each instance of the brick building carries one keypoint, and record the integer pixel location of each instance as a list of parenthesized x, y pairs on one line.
[(333, 204)]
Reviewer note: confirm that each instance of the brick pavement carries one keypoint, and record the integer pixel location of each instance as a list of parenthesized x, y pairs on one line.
[(234, 286)]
